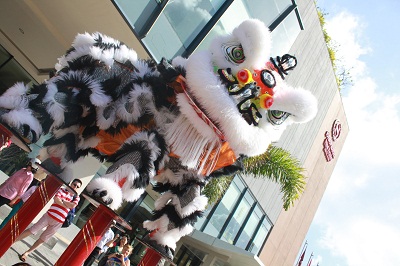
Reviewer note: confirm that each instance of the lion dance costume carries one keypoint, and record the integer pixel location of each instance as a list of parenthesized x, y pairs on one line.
[(177, 123)]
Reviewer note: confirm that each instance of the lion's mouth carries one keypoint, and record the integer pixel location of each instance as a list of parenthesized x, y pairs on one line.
[(250, 92)]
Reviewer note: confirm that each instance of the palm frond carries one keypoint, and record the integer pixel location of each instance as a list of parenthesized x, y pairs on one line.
[(215, 189), (278, 164), (12, 159)]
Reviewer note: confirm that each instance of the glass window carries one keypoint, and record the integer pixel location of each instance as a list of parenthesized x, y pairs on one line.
[(250, 227), (260, 237), (238, 219), (177, 26), (137, 12), (201, 220), (168, 31), (189, 256), (247, 226), (223, 210), (11, 71), (285, 34), (265, 10)]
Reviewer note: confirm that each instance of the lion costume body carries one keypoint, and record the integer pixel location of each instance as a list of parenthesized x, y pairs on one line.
[(177, 123)]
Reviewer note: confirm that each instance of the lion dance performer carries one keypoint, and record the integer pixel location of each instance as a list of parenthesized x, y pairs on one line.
[(178, 123)]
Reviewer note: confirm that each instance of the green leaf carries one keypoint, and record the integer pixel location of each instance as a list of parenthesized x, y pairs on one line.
[(277, 164)]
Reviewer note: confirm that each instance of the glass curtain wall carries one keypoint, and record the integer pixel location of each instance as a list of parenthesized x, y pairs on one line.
[(11, 71), (237, 219), (170, 28)]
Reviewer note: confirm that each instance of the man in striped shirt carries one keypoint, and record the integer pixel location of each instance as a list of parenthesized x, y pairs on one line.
[(53, 219)]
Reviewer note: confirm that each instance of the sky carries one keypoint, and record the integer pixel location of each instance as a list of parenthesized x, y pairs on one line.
[(358, 220)]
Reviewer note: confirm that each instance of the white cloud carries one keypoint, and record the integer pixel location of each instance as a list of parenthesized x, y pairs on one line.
[(359, 212), (374, 123), (363, 241), (373, 115), (345, 30)]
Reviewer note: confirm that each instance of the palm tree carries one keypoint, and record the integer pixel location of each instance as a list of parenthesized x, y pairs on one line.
[(276, 164), (12, 159), (215, 189)]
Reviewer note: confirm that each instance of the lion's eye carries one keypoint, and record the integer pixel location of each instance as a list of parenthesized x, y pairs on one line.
[(233, 53), (277, 117)]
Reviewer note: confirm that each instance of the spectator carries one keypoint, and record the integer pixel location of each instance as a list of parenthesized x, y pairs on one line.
[(17, 184), (53, 219), (123, 240), (16, 206), (106, 241), (120, 259)]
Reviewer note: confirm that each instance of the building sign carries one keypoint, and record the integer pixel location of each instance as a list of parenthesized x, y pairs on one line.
[(330, 138), (336, 130)]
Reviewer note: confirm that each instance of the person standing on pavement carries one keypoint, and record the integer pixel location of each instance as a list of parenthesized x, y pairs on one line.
[(17, 184), (19, 201), (106, 242), (53, 219)]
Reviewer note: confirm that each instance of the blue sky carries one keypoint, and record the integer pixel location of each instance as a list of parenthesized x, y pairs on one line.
[(357, 222)]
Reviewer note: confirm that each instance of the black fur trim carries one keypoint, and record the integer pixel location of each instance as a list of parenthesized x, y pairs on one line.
[(82, 83), (117, 129), (37, 106), (38, 89), (70, 50), (178, 190), (99, 156), (85, 62), (90, 131), (229, 170), (105, 46), (69, 140), (163, 149), (146, 163), (112, 87), (175, 218)]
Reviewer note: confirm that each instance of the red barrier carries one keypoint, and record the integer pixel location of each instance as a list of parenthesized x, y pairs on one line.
[(29, 210), (86, 240), (152, 257)]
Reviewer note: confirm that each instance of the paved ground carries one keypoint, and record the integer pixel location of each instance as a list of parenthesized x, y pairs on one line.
[(47, 254)]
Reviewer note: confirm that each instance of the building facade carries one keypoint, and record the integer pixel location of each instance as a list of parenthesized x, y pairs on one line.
[(248, 226)]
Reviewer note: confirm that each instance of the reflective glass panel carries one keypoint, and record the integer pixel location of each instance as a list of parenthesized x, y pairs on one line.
[(264, 10), (249, 228), (177, 26), (201, 220), (11, 72), (137, 12), (260, 237), (238, 218), (285, 34), (222, 211)]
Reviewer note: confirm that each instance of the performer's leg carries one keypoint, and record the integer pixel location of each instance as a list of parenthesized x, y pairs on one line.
[(176, 210), (134, 164)]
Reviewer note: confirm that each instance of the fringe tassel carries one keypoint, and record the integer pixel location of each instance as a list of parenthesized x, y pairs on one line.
[(192, 147)]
